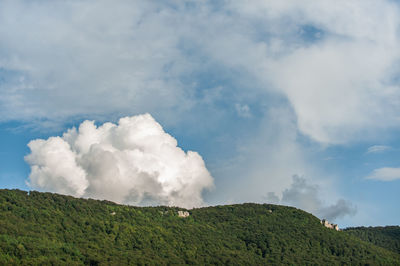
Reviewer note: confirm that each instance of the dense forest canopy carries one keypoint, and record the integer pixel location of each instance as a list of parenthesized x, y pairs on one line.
[(46, 228), (387, 237)]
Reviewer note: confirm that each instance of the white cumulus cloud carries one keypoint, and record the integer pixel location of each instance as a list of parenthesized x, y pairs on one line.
[(132, 162)]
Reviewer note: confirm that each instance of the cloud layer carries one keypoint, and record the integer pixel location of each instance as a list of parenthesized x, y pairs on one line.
[(132, 162), (334, 63)]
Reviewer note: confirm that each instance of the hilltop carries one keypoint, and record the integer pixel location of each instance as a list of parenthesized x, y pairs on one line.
[(46, 228)]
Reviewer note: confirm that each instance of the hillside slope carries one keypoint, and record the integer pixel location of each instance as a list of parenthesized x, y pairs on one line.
[(45, 228), (387, 237)]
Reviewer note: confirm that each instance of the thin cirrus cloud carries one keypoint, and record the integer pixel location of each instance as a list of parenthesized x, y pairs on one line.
[(334, 63), (385, 174), (132, 162), (378, 149)]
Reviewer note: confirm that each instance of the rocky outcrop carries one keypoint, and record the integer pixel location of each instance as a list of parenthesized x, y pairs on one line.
[(183, 214), (329, 225)]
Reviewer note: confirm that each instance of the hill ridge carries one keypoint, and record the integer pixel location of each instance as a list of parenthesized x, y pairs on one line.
[(47, 228)]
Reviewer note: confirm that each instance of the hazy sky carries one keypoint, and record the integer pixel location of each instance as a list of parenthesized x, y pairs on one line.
[(290, 102)]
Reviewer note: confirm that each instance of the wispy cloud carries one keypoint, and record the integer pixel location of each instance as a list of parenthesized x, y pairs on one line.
[(243, 110), (385, 174), (378, 149)]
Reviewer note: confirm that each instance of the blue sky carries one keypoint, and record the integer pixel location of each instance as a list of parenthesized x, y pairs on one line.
[(286, 102)]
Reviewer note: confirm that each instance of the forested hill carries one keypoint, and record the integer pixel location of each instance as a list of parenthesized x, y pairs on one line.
[(387, 237), (45, 228)]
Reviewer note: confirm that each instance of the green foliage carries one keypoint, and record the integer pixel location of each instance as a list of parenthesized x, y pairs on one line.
[(50, 229), (387, 237)]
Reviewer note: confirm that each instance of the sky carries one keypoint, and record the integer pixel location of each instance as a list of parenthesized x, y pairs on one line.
[(196, 103)]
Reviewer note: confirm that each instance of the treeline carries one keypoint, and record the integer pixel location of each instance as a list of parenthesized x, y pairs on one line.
[(51, 229)]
